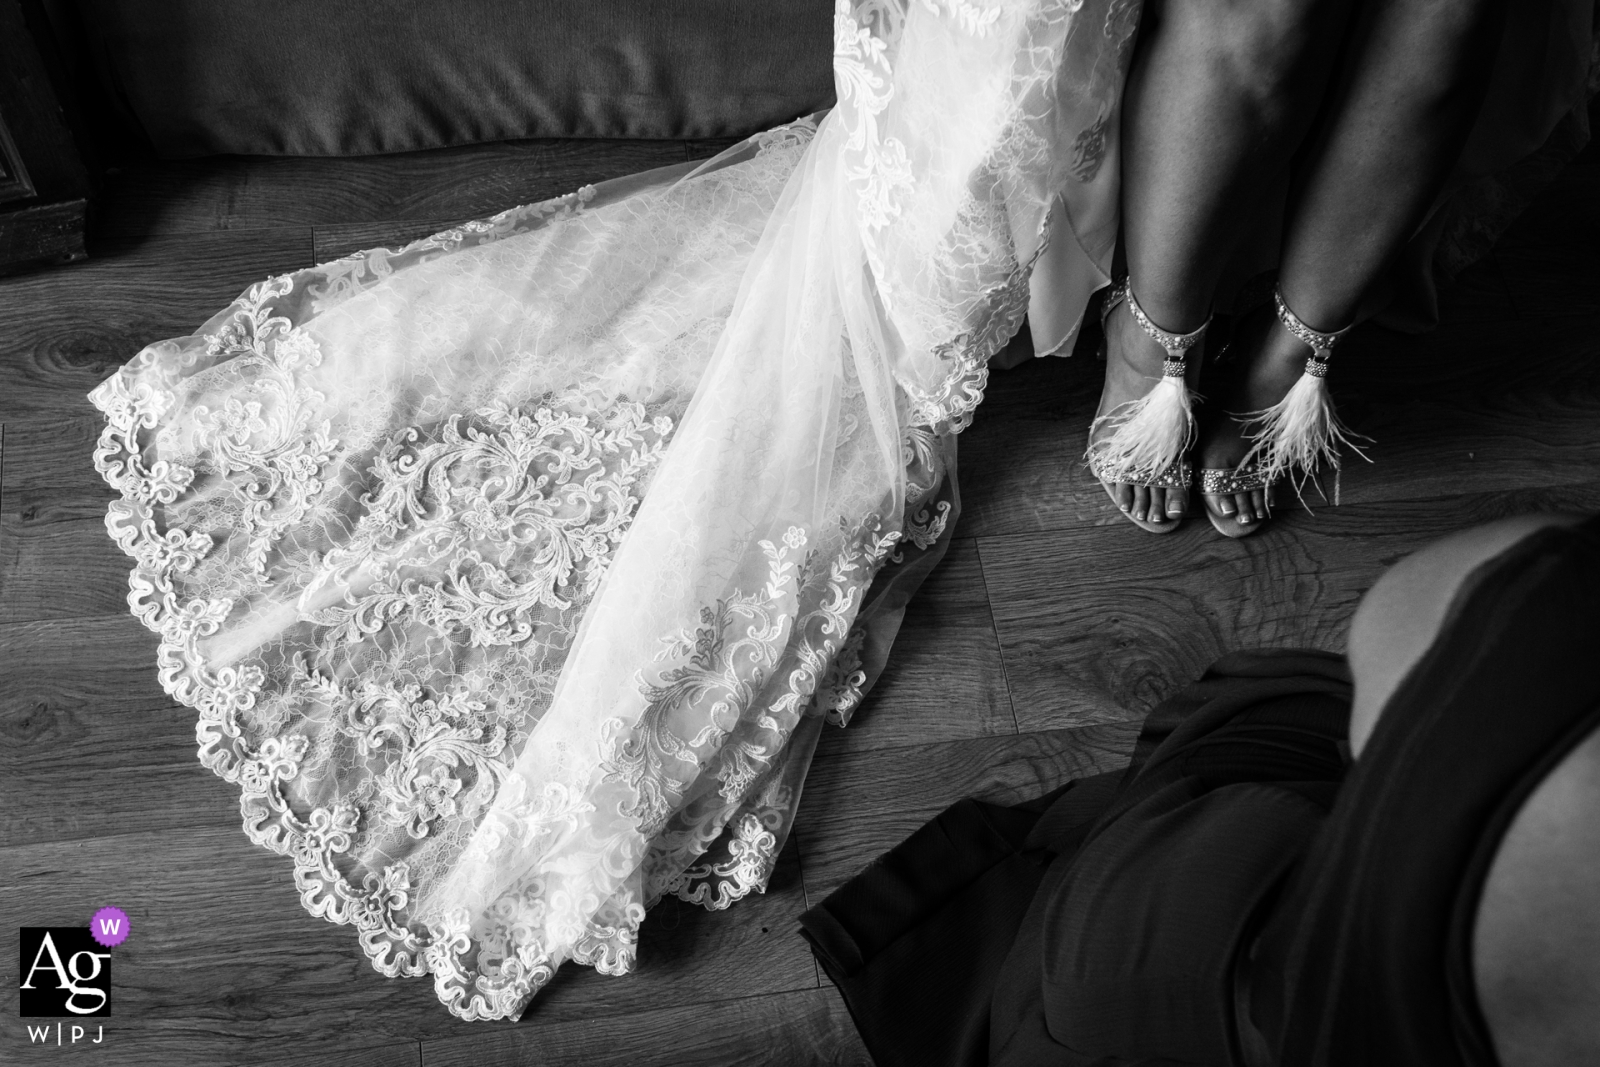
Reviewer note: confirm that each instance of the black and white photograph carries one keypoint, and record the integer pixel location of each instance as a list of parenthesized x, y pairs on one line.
[(887, 533)]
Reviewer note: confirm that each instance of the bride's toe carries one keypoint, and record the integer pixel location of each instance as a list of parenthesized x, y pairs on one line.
[(1124, 497), (1177, 503), (1158, 506), (1141, 502), (1231, 514)]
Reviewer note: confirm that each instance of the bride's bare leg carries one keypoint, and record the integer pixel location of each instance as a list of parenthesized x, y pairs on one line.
[(1399, 111), (1220, 94)]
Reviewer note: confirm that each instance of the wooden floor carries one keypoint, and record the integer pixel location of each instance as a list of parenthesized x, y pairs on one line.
[(1029, 657)]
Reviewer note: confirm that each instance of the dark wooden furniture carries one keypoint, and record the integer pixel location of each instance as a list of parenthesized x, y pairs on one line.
[(44, 186)]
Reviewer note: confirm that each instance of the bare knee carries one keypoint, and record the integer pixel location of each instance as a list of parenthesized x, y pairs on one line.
[(1259, 47), (1401, 614), (1429, 45), (1536, 939)]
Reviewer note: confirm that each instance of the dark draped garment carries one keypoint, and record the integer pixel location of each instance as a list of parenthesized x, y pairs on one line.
[(1242, 894)]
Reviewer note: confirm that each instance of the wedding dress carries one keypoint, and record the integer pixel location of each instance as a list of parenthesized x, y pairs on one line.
[(513, 574)]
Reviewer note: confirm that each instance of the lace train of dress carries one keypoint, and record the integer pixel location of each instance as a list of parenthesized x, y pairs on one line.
[(513, 574)]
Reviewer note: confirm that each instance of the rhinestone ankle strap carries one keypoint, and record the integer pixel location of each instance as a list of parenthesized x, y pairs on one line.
[(1321, 344), (1176, 344)]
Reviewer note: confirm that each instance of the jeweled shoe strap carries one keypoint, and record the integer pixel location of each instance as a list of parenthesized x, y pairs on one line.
[(1176, 344), (1216, 481), (1178, 476), (1321, 344)]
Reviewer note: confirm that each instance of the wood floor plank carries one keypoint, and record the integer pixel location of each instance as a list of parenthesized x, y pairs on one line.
[(1099, 625), (400, 1054), (58, 564), (336, 237), (944, 680), (62, 331), (792, 1030), (108, 661), (233, 192), (836, 850), (1004, 770), (333, 240), (857, 808), (1471, 407), (689, 955), (126, 1043), (69, 772), (224, 965), (56, 559), (55, 456)]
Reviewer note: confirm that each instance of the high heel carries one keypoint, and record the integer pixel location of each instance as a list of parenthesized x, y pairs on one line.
[(1293, 439), (1150, 437)]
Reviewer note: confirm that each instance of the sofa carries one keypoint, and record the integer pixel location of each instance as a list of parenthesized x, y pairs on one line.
[(357, 77)]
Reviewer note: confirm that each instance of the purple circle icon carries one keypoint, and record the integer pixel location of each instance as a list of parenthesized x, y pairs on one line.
[(109, 927)]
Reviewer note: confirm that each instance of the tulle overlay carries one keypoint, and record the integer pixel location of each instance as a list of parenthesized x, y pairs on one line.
[(513, 574)]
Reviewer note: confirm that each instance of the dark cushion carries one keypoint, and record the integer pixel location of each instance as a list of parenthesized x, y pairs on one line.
[(355, 77)]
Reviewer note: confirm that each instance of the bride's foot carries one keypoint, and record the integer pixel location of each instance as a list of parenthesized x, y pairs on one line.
[(1264, 364), (1135, 365)]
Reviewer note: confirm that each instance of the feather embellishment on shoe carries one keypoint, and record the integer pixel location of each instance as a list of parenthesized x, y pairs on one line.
[(1148, 436), (1302, 432)]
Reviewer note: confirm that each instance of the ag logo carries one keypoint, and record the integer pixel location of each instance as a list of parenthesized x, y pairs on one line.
[(65, 973)]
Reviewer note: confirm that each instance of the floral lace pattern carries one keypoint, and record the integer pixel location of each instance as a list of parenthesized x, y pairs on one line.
[(682, 772), (863, 77), (950, 233), (513, 511), (513, 574)]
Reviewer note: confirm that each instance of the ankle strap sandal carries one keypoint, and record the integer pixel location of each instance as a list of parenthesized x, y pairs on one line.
[(1298, 435), (1149, 436)]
